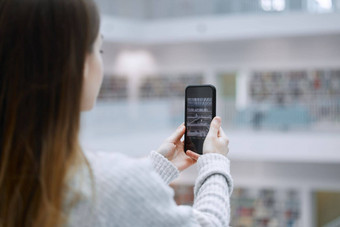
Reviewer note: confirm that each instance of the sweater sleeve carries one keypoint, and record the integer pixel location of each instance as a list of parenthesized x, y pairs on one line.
[(167, 171), (210, 209), (212, 190), (130, 192)]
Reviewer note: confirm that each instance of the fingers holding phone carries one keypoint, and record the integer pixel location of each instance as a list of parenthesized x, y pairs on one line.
[(173, 149), (192, 155), (216, 140)]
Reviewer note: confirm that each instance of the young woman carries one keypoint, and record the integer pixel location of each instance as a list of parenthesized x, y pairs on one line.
[(50, 71)]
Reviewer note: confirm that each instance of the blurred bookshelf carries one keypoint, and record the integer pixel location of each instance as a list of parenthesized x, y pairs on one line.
[(280, 100), (289, 87), (265, 207), (292, 99), (113, 88), (255, 207), (167, 86)]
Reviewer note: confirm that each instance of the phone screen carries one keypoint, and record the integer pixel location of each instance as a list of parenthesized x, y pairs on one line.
[(200, 109)]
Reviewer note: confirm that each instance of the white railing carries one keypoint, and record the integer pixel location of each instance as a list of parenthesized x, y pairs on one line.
[(312, 115), (168, 113)]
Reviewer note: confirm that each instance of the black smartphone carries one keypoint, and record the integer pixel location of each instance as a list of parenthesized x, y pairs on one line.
[(200, 109)]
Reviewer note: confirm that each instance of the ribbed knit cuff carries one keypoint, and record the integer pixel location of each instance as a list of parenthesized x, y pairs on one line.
[(210, 164), (163, 167)]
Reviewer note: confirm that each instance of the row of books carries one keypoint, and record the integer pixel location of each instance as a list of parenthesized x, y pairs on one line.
[(265, 208), (255, 207), (116, 87), (295, 86), (277, 87)]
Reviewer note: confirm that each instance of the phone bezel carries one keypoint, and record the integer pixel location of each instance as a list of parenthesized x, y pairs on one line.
[(213, 105)]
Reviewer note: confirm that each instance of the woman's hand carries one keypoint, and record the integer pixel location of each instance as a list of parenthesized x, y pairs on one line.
[(173, 149), (216, 140)]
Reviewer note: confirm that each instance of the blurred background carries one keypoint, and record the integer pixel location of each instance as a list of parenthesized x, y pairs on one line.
[(276, 67)]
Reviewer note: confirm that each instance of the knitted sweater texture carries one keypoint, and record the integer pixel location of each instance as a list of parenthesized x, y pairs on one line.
[(134, 192)]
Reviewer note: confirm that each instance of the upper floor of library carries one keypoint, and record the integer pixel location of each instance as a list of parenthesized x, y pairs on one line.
[(174, 21), (165, 9)]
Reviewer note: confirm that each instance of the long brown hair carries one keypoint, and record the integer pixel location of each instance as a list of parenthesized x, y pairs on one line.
[(43, 46)]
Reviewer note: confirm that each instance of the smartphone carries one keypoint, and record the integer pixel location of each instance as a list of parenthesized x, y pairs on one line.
[(200, 109)]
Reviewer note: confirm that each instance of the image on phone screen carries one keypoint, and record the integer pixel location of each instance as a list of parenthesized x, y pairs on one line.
[(199, 113)]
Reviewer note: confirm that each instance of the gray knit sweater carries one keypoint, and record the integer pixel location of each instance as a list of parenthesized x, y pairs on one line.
[(135, 192)]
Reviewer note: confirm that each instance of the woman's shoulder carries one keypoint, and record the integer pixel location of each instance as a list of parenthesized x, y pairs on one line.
[(119, 182), (115, 163), (111, 170)]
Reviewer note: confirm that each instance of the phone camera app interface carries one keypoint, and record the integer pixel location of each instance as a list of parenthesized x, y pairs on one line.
[(199, 116)]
